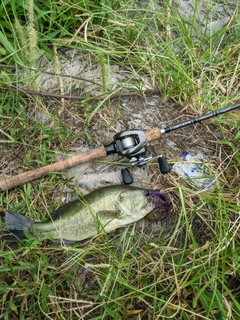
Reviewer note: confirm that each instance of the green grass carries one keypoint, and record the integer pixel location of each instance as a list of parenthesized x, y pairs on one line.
[(118, 276)]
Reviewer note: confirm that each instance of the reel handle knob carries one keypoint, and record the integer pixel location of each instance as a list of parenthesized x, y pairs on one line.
[(163, 165), (126, 175)]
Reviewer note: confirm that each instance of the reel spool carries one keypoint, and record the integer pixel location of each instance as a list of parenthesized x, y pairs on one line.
[(130, 143)]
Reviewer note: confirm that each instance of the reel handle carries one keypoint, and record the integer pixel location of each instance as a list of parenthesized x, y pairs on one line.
[(163, 165), (126, 175)]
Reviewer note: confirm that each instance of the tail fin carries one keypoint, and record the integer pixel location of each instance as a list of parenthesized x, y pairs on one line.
[(16, 224)]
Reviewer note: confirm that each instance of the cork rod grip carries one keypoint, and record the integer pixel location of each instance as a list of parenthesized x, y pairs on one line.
[(8, 183), (153, 134)]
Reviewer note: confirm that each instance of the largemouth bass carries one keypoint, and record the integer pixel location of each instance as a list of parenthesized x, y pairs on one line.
[(102, 210)]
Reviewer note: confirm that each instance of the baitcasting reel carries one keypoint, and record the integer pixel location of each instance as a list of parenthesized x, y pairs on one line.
[(133, 144)]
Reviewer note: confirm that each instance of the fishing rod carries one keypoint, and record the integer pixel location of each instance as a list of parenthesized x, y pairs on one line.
[(130, 143)]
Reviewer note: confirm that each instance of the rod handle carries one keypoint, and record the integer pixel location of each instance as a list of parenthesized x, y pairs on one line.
[(19, 179), (153, 134)]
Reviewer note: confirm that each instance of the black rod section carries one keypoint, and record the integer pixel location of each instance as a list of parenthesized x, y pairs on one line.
[(201, 118)]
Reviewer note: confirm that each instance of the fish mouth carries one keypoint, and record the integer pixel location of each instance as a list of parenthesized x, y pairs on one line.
[(160, 202)]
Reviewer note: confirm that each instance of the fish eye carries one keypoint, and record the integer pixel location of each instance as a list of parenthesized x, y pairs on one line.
[(146, 193)]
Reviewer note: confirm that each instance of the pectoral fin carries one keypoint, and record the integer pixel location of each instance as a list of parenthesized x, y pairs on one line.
[(108, 215)]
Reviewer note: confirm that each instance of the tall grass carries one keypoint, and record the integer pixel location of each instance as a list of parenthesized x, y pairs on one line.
[(120, 276)]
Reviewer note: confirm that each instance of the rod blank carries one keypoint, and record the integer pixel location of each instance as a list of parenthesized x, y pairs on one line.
[(201, 118)]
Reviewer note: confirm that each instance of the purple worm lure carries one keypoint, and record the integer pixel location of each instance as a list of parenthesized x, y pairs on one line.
[(161, 201)]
